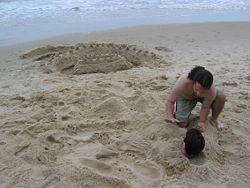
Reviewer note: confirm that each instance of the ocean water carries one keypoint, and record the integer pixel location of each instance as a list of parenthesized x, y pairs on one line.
[(24, 20)]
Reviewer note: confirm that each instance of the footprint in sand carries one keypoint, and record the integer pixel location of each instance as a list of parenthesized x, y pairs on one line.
[(96, 165), (233, 84), (199, 160), (244, 95), (105, 154), (163, 48), (134, 147), (146, 170), (110, 108), (92, 57)]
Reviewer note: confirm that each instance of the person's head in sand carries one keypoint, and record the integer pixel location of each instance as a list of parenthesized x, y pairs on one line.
[(193, 143)]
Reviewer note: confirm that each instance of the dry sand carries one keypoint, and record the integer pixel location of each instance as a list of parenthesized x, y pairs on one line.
[(92, 114)]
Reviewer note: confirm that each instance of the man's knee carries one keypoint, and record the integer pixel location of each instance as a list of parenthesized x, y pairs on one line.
[(183, 124), (221, 97)]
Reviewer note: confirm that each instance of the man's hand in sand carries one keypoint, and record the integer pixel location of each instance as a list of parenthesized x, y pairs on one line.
[(202, 126), (172, 120)]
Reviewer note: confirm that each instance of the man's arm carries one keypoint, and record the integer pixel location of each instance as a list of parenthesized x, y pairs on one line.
[(204, 113), (205, 108), (170, 112), (203, 117), (177, 91), (170, 108)]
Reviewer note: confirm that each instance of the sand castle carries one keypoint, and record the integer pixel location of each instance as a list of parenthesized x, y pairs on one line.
[(92, 57)]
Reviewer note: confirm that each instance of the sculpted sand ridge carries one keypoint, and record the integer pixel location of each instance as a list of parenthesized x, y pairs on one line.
[(86, 58)]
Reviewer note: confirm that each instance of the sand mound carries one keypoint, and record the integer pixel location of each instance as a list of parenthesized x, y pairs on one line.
[(92, 57), (120, 141)]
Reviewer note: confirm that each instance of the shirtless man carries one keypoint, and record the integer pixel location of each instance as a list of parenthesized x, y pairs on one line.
[(196, 86)]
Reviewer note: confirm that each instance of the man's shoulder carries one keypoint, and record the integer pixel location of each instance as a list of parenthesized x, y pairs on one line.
[(211, 93), (213, 89), (183, 84), (184, 80)]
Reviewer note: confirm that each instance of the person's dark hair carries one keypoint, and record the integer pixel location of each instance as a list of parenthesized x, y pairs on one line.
[(202, 76), (194, 142), (193, 72)]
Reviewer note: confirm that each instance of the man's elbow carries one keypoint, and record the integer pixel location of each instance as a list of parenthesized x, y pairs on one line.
[(206, 108), (170, 101)]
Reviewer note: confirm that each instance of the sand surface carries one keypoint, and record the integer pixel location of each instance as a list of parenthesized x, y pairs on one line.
[(88, 110)]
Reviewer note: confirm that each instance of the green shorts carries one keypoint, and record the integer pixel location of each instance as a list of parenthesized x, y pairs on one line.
[(184, 107)]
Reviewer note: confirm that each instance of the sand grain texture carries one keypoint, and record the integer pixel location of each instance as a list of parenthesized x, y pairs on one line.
[(91, 114)]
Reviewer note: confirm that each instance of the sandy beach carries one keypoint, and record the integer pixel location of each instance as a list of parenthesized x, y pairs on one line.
[(88, 110)]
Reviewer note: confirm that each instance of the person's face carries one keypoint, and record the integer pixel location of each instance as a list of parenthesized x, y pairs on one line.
[(199, 90)]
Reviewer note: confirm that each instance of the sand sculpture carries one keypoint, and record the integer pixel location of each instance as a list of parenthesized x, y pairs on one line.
[(85, 58)]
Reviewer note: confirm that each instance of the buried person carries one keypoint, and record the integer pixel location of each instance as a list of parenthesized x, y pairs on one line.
[(193, 143), (196, 86)]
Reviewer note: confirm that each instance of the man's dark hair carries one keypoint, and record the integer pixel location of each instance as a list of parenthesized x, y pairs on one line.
[(202, 76), (194, 142)]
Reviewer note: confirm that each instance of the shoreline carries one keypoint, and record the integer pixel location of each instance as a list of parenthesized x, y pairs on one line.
[(75, 22), (73, 36)]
